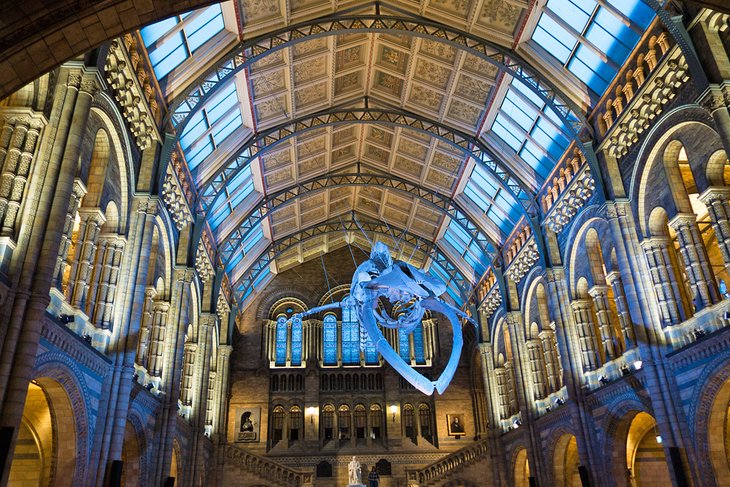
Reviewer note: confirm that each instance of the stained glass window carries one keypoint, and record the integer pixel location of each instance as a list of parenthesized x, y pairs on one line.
[(330, 340), (418, 351), (296, 341), (404, 348), (281, 340), (350, 337), (371, 354)]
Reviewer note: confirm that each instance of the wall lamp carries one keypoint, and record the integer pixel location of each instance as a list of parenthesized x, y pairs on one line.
[(311, 411), (393, 409)]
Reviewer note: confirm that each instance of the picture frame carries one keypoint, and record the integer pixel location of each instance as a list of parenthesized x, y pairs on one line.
[(455, 425), (247, 425)]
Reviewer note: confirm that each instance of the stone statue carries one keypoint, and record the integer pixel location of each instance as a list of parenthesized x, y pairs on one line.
[(353, 470)]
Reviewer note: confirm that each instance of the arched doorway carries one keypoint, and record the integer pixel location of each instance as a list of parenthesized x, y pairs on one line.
[(718, 435), (522, 469), (646, 462), (131, 457), (565, 462), (45, 452)]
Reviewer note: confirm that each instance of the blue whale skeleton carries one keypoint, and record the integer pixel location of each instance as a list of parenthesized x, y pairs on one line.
[(415, 292)]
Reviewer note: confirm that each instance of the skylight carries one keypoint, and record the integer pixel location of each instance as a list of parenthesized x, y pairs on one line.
[(531, 129), (484, 194), (172, 41), (592, 39), (209, 127), (462, 246)]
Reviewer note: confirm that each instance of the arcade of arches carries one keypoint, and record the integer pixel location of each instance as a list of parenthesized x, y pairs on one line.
[(180, 184)]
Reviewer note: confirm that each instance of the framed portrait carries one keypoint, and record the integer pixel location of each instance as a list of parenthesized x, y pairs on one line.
[(455, 425), (247, 425)]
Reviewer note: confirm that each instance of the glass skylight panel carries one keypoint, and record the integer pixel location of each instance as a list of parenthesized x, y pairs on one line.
[(529, 128), (172, 41), (209, 127), (482, 190), (578, 33)]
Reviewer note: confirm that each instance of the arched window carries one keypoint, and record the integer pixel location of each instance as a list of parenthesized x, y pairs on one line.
[(328, 421), (296, 341), (295, 423), (409, 422), (376, 421), (350, 337), (360, 421), (371, 354), (330, 340), (277, 425), (343, 421), (425, 421), (281, 333)]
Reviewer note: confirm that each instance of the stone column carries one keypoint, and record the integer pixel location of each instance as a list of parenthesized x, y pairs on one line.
[(603, 314), (537, 368), (667, 292), (145, 328), (15, 170), (186, 388), (224, 369), (583, 315), (109, 285), (717, 200), (552, 360), (38, 245), (624, 317), (157, 338), (503, 392), (91, 221), (716, 101), (696, 261), (79, 190)]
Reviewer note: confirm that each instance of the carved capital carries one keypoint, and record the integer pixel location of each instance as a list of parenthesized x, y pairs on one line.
[(74, 80), (90, 86)]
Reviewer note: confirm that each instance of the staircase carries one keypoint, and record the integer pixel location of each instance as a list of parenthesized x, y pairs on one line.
[(448, 466), (266, 469)]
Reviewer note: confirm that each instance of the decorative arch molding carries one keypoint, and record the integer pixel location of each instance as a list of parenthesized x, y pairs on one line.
[(61, 369), (620, 412), (441, 203), (593, 217), (649, 155), (107, 111), (554, 439), (531, 280), (713, 380), (281, 301), (135, 419), (276, 295), (166, 238)]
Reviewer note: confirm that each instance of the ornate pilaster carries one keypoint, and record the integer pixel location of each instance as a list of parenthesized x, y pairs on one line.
[(91, 221), (583, 315), (157, 338), (186, 388), (668, 297), (145, 328), (717, 200), (599, 294), (78, 192), (624, 317), (537, 368), (697, 264), (552, 360)]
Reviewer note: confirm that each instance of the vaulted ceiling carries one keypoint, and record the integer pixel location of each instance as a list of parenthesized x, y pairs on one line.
[(308, 125)]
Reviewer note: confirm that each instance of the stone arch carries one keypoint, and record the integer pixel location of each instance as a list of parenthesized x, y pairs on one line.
[(689, 127), (718, 169), (100, 155), (709, 407), (520, 468), (135, 451), (564, 454), (68, 396)]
